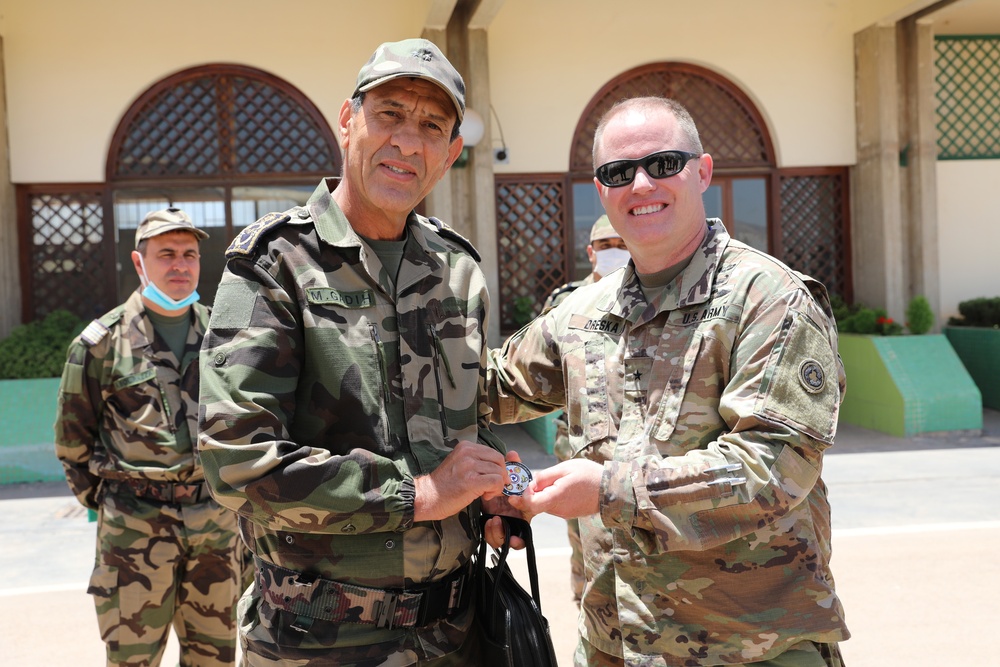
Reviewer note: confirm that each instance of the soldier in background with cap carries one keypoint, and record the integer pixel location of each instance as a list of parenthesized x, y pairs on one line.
[(343, 394), (126, 427), (607, 252)]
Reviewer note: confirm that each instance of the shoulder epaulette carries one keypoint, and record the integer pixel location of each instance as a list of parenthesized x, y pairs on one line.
[(449, 233), (244, 244), (568, 287), (99, 328)]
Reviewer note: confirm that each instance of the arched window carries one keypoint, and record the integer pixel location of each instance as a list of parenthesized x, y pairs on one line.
[(798, 215), (227, 144)]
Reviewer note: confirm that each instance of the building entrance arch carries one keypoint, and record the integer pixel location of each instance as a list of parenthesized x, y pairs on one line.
[(799, 215)]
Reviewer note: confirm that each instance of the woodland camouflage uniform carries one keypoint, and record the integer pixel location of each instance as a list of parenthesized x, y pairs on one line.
[(125, 433), (710, 407), (326, 388)]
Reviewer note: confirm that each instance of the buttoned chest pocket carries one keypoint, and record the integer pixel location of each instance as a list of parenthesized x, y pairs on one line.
[(440, 350), (687, 415), (137, 402), (345, 378)]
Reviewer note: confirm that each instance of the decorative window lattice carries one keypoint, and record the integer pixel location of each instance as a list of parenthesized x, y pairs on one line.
[(968, 95), (814, 233), (727, 123), (68, 261), (532, 249), (216, 124)]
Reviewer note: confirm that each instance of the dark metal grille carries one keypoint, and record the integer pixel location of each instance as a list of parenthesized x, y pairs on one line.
[(67, 258), (274, 135), (814, 228), (968, 95), (216, 124), (729, 126), (532, 249)]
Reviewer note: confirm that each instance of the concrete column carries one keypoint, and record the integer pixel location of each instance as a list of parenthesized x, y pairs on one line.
[(10, 274), (465, 198), (438, 202), (480, 178), (877, 233), (919, 141)]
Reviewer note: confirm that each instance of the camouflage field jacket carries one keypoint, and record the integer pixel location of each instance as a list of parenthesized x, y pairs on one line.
[(710, 410), (123, 400), (326, 389)]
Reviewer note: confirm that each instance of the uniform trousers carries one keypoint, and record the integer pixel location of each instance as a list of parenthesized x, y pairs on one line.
[(162, 565)]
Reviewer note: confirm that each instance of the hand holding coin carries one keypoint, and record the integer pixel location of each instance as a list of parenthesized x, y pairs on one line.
[(519, 477)]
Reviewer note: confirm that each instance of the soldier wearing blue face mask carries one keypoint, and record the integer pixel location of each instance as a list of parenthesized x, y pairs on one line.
[(126, 427)]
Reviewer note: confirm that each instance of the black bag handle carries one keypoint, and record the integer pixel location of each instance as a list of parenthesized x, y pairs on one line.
[(512, 527)]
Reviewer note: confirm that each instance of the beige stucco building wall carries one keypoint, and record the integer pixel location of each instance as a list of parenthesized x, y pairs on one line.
[(969, 216), (78, 65), (72, 69)]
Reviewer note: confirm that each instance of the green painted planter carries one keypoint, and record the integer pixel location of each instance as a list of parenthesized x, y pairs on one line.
[(907, 385), (27, 413), (543, 430), (979, 350)]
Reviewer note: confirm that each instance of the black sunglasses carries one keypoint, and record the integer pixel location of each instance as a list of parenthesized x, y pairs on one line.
[(617, 173)]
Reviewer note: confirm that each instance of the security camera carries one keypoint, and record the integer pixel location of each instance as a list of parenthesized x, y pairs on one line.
[(500, 155)]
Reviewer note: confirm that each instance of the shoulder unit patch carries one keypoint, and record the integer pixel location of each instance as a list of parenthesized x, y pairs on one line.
[(811, 376), (244, 244)]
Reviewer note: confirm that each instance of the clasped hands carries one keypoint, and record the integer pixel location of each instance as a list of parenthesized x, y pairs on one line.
[(569, 489)]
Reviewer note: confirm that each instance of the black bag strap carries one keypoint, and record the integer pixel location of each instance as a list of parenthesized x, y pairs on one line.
[(512, 527)]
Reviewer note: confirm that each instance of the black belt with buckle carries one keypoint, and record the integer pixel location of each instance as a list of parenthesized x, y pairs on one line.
[(310, 596), (175, 493)]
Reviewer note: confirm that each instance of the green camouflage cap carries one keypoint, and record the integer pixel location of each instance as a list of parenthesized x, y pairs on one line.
[(168, 220), (415, 58), (602, 229)]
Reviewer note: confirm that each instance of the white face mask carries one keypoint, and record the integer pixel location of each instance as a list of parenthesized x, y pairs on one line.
[(610, 259)]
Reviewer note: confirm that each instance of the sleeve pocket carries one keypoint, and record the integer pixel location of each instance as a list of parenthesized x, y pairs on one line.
[(801, 386), (72, 381)]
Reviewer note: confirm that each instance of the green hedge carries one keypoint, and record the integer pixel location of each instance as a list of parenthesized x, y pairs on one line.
[(981, 312), (38, 349)]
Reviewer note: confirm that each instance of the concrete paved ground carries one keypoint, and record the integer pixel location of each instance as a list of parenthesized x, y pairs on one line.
[(916, 533)]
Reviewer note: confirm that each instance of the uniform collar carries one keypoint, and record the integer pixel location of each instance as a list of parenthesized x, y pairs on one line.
[(333, 228), (693, 286), (140, 331)]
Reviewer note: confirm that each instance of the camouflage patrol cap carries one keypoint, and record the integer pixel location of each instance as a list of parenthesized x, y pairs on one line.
[(414, 58), (602, 229), (168, 220)]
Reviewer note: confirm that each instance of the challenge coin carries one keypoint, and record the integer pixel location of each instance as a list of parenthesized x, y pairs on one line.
[(519, 477)]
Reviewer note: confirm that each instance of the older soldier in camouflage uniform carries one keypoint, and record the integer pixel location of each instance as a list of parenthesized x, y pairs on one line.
[(167, 553), (702, 385), (607, 252), (343, 394)]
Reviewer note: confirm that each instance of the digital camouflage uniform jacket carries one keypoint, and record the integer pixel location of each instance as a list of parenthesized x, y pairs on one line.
[(325, 391), (710, 412), (122, 401), (559, 294)]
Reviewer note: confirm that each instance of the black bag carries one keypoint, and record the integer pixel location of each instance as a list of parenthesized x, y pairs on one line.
[(513, 631)]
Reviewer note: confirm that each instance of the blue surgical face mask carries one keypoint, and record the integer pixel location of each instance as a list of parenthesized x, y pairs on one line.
[(156, 295)]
